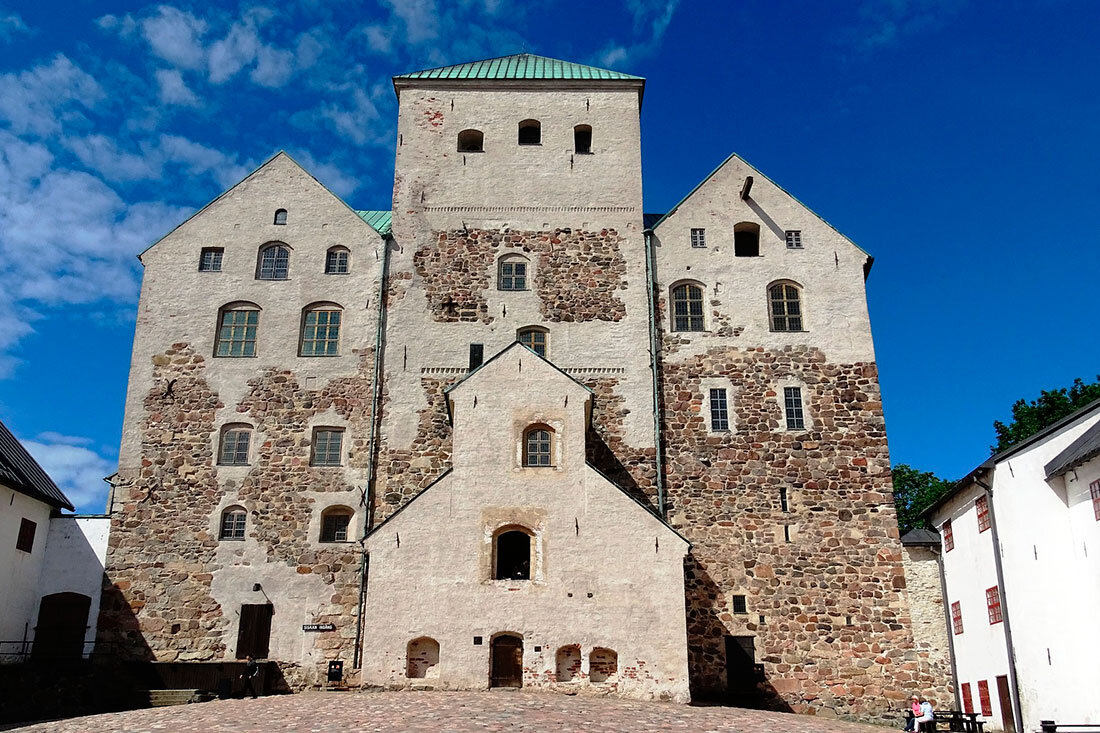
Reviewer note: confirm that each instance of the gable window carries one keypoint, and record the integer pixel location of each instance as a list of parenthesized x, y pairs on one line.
[(471, 141), (334, 524), (280, 217), (336, 261), (24, 542), (719, 410), (582, 139), (794, 239), (948, 536), (956, 618), (535, 338), (513, 273), (740, 604), (537, 446), (530, 132), (234, 445), (983, 698), (512, 554), (698, 238), (321, 330), (792, 408), (210, 259), (993, 605), (687, 307), (746, 240), (237, 326), (968, 699), (233, 523), (327, 447), (1094, 490), (785, 304), (274, 262), (982, 506)]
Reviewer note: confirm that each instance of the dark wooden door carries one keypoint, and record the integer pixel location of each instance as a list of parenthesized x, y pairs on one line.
[(507, 662), (254, 634), (62, 624), (740, 664), (1005, 698)]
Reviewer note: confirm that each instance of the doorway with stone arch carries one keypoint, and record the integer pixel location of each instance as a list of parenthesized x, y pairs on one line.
[(506, 660)]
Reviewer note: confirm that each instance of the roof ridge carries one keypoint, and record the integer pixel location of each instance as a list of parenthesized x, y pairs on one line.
[(519, 66)]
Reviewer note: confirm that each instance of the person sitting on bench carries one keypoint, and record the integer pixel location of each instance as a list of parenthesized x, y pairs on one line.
[(927, 715)]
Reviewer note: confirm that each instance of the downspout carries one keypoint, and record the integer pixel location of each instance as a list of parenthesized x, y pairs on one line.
[(651, 279), (1017, 709), (368, 495), (950, 630)]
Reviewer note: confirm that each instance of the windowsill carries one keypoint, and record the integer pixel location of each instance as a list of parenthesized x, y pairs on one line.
[(690, 332), (513, 290), (326, 465), (232, 465), (232, 356), (273, 279), (336, 542), (802, 330), (530, 145), (210, 272), (584, 152), (537, 467), (470, 151), (337, 273), (319, 356), (231, 539)]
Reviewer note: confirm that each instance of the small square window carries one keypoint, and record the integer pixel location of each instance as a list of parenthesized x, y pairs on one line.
[(794, 239), (477, 641), (327, 447), (25, 541), (740, 605), (719, 410), (334, 526), (211, 259), (698, 238)]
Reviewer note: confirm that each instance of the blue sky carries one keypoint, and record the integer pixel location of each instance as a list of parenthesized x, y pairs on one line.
[(956, 141)]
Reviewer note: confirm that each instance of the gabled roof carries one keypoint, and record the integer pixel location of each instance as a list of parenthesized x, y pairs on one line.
[(504, 351), (19, 471), (519, 66), (920, 537), (1079, 451), (379, 220)]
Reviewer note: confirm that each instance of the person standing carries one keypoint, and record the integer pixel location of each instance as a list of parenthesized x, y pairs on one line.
[(251, 670)]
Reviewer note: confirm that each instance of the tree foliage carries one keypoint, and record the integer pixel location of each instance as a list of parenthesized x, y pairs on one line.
[(915, 491), (1029, 418)]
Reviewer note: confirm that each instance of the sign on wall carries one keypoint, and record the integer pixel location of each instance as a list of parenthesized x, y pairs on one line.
[(318, 627)]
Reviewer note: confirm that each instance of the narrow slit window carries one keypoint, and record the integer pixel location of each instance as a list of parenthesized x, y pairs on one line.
[(792, 406), (1094, 491), (582, 139), (687, 308), (982, 506), (698, 238), (327, 447), (210, 260), (956, 618), (719, 410), (783, 505), (785, 303), (794, 239)]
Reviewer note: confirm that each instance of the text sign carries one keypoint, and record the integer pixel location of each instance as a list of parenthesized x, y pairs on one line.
[(318, 627)]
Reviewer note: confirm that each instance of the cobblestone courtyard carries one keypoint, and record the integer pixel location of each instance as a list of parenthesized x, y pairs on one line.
[(445, 711)]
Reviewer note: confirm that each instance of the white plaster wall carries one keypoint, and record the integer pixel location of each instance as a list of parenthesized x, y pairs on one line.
[(606, 572), (19, 571), (829, 268), (75, 552)]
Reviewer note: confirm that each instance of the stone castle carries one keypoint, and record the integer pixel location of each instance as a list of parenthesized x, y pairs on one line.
[(515, 432)]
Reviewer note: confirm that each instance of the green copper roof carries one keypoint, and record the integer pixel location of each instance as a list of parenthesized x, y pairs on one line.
[(519, 66), (380, 220)]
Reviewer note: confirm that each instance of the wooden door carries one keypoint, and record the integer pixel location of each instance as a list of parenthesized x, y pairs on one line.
[(1004, 696), (507, 662), (254, 634), (740, 664), (62, 624)]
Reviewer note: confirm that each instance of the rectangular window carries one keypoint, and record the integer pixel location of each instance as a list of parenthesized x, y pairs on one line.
[(513, 275), (786, 533), (327, 447), (321, 334), (234, 450), (25, 540), (783, 500), (1094, 489), (983, 698), (719, 410), (792, 405), (334, 527), (477, 355), (956, 617), (982, 505), (968, 699), (211, 259), (794, 239), (740, 605), (948, 536), (233, 524), (698, 238), (993, 604), (237, 335)]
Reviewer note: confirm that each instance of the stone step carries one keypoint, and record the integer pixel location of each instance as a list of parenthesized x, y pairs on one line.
[(165, 698)]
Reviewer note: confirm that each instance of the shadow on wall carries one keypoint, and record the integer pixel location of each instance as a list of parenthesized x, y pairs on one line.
[(119, 633)]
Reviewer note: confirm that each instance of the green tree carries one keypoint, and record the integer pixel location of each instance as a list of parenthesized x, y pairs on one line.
[(1029, 418), (915, 491)]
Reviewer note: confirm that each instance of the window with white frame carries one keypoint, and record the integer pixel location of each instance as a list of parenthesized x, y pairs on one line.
[(698, 238), (719, 410), (328, 444), (274, 262), (792, 408), (537, 447), (794, 239)]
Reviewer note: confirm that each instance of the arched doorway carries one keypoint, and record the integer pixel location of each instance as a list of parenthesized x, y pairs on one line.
[(507, 661), (62, 624)]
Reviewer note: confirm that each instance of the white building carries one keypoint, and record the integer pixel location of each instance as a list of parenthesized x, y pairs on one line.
[(1023, 620), (51, 565)]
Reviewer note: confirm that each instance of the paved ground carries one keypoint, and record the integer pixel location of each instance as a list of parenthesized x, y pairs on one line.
[(444, 711)]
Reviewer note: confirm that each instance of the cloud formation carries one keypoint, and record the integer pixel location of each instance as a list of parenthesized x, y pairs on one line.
[(76, 469)]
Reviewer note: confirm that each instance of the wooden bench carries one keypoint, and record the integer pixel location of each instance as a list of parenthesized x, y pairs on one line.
[(953, 720)]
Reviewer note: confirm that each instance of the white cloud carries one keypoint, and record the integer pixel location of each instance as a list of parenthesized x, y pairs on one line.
[(51, 437), (39, 100), (651, 20), (77, 470), (102, 154), (379, 38), (329, 174), (419, 18), (174, 90), (11, 24), (887, 22), (176, 37), (274, 67)]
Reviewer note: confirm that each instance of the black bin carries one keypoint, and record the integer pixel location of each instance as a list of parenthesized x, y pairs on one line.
[(335, 671)]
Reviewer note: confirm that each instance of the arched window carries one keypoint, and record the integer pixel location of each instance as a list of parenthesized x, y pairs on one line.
[(336, 261), (321, 330), (785, 306), (582, 138), (687, 307), (233, 450), (535, 338), (233, 523), (538, 445), (568, 663), (746, 240), (512, 273), (603, 665), (274, 262), (280, 216), (422, 658), (530, 132), (471, 141), (237, 325), (512, 554), (335, 524)]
